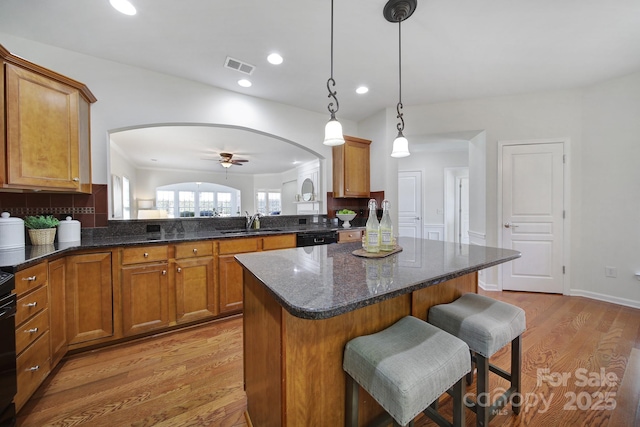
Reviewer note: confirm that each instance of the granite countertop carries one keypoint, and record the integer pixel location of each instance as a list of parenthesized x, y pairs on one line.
[(320, 282), (16, 259)]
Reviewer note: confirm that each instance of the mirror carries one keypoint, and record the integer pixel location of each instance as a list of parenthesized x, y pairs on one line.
[(307, 190)]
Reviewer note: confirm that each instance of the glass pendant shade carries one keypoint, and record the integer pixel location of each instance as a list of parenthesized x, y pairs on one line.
[(400, 146), (333, 133)]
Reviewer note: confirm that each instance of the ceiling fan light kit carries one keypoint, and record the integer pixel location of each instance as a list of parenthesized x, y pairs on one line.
[(227, 160)]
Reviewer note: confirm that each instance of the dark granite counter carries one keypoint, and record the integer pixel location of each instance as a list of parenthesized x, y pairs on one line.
[(320, 282), (13, 260)]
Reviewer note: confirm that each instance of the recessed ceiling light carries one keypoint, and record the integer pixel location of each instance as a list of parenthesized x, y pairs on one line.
[(123, 6), (244, 83), (362, 90), (275, 59)]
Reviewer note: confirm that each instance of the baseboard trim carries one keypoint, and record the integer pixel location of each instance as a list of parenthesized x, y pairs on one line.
[(488, 287), (605, 298)]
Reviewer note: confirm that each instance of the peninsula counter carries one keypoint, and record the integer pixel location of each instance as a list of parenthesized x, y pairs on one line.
[(302, 305)]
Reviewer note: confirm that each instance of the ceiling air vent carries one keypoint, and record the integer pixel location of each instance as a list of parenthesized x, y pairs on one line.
[(238, 65)]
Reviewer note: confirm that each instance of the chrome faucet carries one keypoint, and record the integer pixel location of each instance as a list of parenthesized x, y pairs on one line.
[(251, 219)]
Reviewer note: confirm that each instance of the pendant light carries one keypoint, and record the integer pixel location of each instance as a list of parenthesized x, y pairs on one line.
[(398, 11), (333, 129)]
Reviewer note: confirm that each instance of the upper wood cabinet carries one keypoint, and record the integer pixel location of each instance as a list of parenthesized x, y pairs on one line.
[(351, 168), (45, 129)]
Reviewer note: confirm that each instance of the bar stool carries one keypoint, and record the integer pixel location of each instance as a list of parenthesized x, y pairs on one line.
[(405, 368), (486, 325)]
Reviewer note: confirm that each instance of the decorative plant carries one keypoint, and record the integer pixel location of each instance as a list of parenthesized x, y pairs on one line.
[(40, 222)]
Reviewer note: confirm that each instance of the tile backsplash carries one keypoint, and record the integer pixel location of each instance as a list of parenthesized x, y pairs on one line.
[(90, 209)]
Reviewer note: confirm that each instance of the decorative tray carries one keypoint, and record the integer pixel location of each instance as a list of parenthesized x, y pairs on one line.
[(381, 254)]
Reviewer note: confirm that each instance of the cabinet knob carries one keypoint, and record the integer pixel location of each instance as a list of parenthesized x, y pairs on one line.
[(76, 179), (30, 304), (33, 368), (179, 270), (146, 255), (30, 278), (164, 272), (195, 250), (31, 331)]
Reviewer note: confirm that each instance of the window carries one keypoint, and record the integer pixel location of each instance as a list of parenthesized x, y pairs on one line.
[(186, 203), (223, 205), (268, 202), (165, 200), (206, 204)]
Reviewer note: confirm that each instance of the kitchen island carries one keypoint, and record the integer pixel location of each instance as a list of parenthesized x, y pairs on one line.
[(302, 305)]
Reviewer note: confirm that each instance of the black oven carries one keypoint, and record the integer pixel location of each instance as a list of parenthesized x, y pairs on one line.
[(8, 384)]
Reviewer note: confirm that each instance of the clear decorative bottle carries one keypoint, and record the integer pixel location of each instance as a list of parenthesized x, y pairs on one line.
[(372, 232), (386, 228)]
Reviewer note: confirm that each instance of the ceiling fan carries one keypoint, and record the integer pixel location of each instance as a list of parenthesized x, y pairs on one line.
[(226, 160)]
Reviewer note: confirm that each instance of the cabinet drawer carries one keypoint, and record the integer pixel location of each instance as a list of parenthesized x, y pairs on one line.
[(31, 278), (190, 250), (349, 236), (236, 246), (31, 304), (32, 330), (142, 254), (279, 242), (33, 366)]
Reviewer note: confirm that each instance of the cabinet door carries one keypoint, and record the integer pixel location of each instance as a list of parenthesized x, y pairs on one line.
[(230, 274), (57, 318), (145, 298), (351, 168), (89, 297), (42, 121), (195, 290)]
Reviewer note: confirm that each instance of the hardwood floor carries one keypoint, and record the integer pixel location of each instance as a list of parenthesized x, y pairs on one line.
[(194, 377)]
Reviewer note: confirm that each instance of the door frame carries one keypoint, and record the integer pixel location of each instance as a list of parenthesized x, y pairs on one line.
[(450, 176), (566, 236)]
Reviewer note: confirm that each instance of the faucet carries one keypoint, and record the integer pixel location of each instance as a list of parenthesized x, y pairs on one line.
[(251, 219)]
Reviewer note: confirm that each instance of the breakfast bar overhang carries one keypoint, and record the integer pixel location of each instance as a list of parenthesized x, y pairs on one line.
[(302, 305)]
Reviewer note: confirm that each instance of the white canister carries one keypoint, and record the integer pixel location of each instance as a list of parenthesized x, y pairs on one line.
[(69, 230), (11, 232)]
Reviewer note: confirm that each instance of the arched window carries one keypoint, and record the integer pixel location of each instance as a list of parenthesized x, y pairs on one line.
[(198, 199)]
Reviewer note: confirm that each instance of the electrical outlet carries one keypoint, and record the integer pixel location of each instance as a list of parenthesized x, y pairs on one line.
[(611, 272)]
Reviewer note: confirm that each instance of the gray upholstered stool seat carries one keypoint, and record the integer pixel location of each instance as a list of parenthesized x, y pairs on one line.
[(405, 368), (486, 325)]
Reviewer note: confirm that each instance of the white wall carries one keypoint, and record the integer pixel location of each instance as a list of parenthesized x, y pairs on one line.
[(609, 233), (129, 96)]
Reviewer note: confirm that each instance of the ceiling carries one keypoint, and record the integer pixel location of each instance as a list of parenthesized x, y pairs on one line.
[(451, 50)]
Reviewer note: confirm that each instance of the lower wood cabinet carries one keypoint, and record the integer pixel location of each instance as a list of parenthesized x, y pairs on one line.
[(230, 272), (145, 298), (57, 311), (89, 297), (195, 289)]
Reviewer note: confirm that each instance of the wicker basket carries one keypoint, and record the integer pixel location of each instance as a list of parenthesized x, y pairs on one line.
[(42, 236)]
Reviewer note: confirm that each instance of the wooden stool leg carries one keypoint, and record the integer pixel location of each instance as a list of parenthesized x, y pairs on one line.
[(516, 367), (351, 404), (483, 399), (457, 393), (470, 374)]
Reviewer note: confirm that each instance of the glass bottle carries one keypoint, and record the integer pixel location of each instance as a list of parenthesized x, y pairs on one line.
[(386, 228), (372, 231)]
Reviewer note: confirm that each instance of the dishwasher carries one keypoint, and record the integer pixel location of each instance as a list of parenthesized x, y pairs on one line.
[(313, 238)]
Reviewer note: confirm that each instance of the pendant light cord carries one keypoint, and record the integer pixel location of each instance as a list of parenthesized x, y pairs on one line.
[(331, 82), (400, 125)]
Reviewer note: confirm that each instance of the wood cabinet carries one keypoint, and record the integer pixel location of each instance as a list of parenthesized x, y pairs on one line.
[(145, 289), (33, 358), (194, 281), (57, 310), (89, 297), (45, 129), (230, 272), (351, 164), (347, 236)]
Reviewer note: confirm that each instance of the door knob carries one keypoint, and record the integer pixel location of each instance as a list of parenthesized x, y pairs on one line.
[(509, 225)]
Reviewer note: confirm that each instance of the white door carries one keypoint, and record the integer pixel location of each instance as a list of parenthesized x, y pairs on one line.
[(532, 216), (410, 204), (462, 210)]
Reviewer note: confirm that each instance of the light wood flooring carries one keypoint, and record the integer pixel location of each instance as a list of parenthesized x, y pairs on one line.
[(194, 377)]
